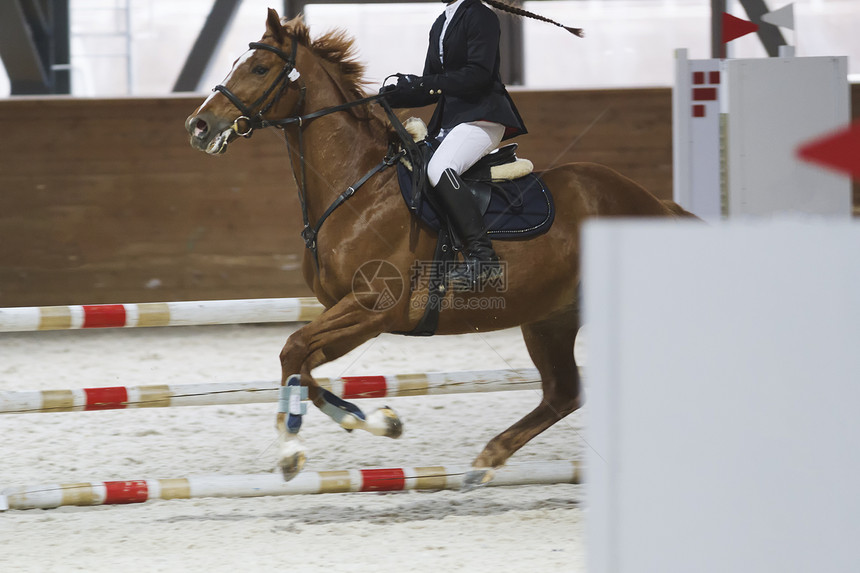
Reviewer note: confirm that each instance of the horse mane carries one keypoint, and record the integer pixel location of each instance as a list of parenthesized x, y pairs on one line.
[(336, 47)]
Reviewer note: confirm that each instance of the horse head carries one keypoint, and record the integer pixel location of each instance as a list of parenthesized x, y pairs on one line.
[(262, 85)]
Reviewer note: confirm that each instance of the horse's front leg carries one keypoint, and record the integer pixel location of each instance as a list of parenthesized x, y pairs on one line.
[(338, 330)]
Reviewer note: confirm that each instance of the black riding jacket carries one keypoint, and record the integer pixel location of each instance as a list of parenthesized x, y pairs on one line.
[(468, 86)]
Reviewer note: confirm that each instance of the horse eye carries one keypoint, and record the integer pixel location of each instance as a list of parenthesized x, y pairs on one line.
[(260, 70)]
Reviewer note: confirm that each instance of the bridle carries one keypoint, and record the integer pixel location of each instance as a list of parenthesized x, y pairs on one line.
[(252, 117)]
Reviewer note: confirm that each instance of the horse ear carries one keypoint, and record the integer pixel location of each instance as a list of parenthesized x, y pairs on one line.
[(273, 24)]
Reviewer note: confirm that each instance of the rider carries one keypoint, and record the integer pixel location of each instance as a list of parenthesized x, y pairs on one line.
[(474, 113)]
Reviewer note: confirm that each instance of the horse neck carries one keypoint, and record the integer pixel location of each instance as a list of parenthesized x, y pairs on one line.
[(339, 148)]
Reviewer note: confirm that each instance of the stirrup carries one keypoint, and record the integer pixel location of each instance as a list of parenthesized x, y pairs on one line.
[(473, 274)]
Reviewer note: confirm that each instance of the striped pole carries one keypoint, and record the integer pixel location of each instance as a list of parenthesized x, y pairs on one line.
[(258, 485), (222, 393), (185, 313)]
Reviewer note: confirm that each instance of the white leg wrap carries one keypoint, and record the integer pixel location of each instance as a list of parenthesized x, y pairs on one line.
[(291, 453), (290, 402)]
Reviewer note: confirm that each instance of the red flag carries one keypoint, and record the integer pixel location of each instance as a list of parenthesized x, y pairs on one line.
[(734, 28), (839, 150)]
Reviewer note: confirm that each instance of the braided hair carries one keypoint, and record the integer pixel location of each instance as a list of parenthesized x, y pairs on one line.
[(517, 11)]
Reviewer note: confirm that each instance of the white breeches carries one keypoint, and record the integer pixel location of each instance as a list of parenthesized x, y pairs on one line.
[(464, 145)]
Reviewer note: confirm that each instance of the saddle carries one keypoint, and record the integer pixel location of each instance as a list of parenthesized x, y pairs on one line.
[(515, 202)]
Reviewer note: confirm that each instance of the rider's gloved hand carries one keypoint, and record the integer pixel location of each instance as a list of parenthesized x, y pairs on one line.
[(408, 82), (387, 89), (409, 91)]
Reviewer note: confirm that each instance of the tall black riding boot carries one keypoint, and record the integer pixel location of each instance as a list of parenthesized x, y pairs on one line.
[(481, 262)]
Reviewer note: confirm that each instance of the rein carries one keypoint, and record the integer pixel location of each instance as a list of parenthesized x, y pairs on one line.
[(254, 120)]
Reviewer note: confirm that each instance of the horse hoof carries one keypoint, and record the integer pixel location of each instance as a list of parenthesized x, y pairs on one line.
[(292, 460), (291, 466), (384, 422), (477, 478)]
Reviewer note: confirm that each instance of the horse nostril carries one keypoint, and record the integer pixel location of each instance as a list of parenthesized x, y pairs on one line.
[(201, 128)]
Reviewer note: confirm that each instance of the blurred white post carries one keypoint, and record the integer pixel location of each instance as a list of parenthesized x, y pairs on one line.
[(722, 396)]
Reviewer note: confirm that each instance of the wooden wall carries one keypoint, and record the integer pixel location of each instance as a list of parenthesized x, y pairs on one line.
[(104, 201)]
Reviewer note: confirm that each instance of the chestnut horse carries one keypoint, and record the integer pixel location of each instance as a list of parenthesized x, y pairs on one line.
[(314, 92)]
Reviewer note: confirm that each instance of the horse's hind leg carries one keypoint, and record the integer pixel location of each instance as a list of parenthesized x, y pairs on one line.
[(550, 345)]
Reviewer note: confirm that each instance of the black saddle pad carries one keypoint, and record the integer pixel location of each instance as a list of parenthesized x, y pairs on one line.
[(518, 208)]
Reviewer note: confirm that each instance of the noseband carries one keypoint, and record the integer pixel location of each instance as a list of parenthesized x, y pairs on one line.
[(252, 115)]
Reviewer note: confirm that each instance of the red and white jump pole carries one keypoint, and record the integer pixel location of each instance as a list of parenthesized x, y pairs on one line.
[(184, 313), (222, 393), (257, 485)]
